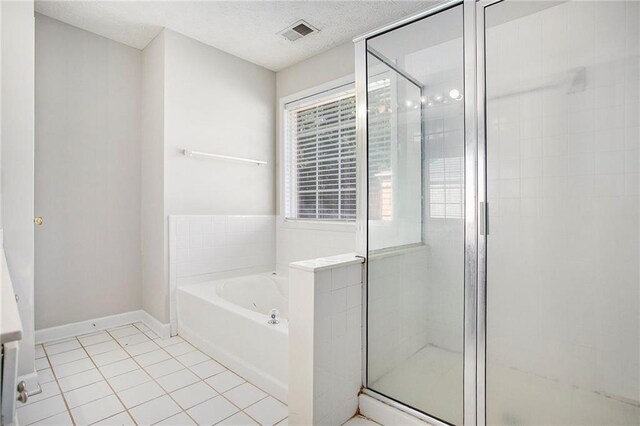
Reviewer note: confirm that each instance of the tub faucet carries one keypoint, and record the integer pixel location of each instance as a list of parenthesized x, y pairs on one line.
[(274, 317)]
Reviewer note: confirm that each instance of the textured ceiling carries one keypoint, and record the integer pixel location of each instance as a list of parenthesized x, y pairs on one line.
[(247, 29)]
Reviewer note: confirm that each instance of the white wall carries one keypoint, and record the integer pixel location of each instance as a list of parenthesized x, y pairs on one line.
[(213, 102), (17, 162), (1, 117), (153, 227), (87, 175), (218, 103), (296, 242)]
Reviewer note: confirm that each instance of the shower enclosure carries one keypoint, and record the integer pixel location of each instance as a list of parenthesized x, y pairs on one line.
[(499, 151)]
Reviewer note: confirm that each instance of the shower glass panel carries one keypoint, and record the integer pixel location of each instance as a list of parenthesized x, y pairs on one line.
[(563, 288), (415, 284)]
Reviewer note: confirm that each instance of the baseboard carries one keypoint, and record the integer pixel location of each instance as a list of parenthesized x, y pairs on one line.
[(96, 324), (385, 414), (162, 330), (248, 372)]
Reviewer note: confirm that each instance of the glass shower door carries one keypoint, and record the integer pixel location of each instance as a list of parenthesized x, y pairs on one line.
[(415, 284), (563, 281)]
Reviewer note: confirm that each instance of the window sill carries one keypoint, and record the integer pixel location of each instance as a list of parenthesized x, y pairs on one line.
[(318, 225)]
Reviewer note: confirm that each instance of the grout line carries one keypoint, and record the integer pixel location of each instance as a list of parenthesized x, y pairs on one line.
[(55, 377), (155, 380), (111, 387), (105, 380)]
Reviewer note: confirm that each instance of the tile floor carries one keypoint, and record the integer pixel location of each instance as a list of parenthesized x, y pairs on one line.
[(127, 375)]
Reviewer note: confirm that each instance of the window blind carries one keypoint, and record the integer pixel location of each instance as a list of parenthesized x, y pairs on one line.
[(380, 116), (446, 187), (321, 158)]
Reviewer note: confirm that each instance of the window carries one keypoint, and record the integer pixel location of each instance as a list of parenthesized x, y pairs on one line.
[(446, 187), (320, 157), (381, 144)]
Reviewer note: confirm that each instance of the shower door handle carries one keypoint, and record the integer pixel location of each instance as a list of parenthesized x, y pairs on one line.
[(483, 218)]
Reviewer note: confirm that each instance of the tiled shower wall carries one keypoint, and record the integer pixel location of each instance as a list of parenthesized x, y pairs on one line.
[(563, 194), (325, 340), (397, 318), (206, 244)]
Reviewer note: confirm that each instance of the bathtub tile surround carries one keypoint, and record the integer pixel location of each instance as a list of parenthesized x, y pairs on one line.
[(206, 244), (325, 339), (128, 375), (210, 245)]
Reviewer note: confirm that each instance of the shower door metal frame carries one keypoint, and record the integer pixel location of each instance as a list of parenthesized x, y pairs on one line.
[(475, 247)]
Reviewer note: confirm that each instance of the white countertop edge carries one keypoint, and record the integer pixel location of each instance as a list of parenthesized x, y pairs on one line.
[(330, 262)]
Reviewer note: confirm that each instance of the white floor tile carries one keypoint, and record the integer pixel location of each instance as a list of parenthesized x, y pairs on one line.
[(103, 347), (95, 338), (177, 380), (224, 381), (207, 369), (62, 419), (163, 368), (212, 411), (109, 357), (40, 410), (245, 395), (86, 394), (268, 412), (122, 419), (133, 339), (39, 351), (152, 357), (154, 411), (127, 330), (141, 348), (96, 410), (178, 367), (42, 363), (193, 395), (48, 390), (129, 380), (284, 422), (65, 346), (239, 419), (64, 357), (170, 341), (151, 335), (179, 419), (45, 376), (55, 342), (73, 367), (192, 358), (119, 367), (78, 380), (140, 394), (140, 326), (179, 349)]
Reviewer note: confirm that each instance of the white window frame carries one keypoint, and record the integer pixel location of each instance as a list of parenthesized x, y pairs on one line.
[(329, 225)]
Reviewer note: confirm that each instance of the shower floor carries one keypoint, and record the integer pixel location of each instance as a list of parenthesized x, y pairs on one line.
[(430, 380)]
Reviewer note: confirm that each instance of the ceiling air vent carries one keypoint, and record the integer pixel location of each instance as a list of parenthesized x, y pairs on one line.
[(297, 31)]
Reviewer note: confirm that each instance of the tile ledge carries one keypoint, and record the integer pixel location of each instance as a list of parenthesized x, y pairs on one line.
[(330, 262)]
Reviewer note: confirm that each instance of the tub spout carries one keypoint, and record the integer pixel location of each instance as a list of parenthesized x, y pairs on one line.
[(274, 317)]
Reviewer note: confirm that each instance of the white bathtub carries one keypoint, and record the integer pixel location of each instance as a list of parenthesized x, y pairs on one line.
[(227, 319)]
